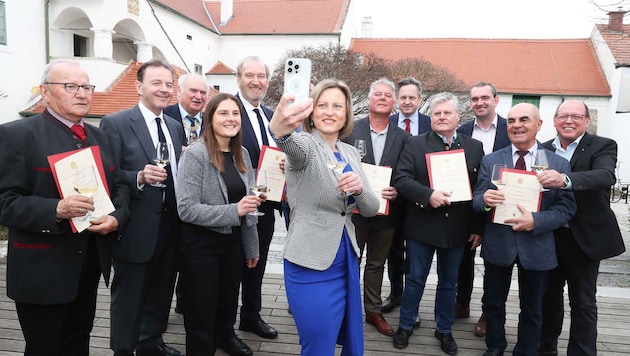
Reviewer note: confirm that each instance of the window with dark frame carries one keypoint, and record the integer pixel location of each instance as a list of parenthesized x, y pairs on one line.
[(3, 24)]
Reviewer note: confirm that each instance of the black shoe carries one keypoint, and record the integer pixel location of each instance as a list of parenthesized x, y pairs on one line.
[(417, 323), (235, 347), (548, 353), (161, 349), (401, 338), (179, 309), (390, 303), (493, 353), (447, 343), (259, 328)]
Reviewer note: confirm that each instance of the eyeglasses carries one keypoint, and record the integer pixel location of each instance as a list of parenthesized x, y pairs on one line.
[(74, 88), (574, 117)]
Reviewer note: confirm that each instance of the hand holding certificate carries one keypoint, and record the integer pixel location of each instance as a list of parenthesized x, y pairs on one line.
[(519, 188), (269, 162), (448, 172), (81, 172), (378, 179)]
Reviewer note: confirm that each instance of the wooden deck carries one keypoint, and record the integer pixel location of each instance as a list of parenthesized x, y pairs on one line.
[(614, 327)]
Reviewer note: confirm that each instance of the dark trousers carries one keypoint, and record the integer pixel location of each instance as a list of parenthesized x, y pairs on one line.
[(63, 329), (142, 293), (396, 265), (211, 270), (466, 276), (532, 285), (252, 277), (378, 243), (580, 273)]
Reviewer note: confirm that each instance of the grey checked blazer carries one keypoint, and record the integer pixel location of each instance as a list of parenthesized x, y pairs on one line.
[(202, 197), (318, 214)]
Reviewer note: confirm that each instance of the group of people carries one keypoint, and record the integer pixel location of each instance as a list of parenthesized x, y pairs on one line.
[(201, 224)]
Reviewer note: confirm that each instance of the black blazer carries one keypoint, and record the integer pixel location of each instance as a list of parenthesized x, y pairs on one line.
[(173, 111), (594, 225), (133, 149), (500, 140), (424, 122), (249, 137), (394, 143), (45, 258), (448, 226)]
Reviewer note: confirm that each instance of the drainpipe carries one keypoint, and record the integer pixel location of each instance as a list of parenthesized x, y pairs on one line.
[(47, 30)]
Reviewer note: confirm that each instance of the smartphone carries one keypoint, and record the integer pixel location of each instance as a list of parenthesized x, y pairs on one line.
[(297, 78)]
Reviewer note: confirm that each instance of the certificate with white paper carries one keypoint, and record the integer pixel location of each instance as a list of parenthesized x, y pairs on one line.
[(448, 171), (521, 187), (269, 161), (67, 167), (378, 177)]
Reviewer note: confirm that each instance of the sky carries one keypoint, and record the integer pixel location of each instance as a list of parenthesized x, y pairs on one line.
[(531, 19)]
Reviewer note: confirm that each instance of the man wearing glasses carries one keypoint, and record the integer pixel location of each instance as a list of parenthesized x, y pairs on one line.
[(52, 272), (591, 235)]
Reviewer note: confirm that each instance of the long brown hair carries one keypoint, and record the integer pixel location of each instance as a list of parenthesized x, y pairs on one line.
[(214, 151)]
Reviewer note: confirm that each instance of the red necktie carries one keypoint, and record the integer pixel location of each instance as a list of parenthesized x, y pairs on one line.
[(520, 162), (79, 131), (407, 126)]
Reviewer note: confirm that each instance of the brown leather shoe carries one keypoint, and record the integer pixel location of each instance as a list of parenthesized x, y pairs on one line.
[(480, 327), (380, 323), (461, 312)]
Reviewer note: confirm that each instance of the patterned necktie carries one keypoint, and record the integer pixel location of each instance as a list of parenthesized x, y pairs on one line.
[(192, 135), (261, 124), (407, 125), (520, 162), (169, 191), (79, 131)]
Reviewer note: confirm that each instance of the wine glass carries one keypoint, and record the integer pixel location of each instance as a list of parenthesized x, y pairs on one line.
[(361, 147), (497, 178), (85, 184), (337, 167), (161, 160), (540, 165), (259, 188)]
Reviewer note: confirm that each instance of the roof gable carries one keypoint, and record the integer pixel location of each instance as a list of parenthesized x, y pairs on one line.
[(281, 16), (618, 42), (220, 68), (538, 67)]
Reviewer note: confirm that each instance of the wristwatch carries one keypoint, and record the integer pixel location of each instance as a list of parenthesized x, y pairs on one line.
[(566, 180)]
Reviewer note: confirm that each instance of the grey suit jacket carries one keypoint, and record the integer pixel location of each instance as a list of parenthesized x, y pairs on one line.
[(536, 250), (318, 214), (133, 149), (202, 196)]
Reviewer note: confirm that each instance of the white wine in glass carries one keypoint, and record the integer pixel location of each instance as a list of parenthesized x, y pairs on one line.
[(497, 177), (541, 164), (360, 145), (161, 160), (337, 167), (260, 188), (85, 184)]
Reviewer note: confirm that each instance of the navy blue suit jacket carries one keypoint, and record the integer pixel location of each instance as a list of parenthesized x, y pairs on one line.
[(500, 140), (536, 250), (424, 122), (173, 111)]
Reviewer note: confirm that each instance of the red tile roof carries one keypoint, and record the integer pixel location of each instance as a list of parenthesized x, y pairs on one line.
[(220, 68), (540, 67), (618, 42), (194, 10), (120, 95), (280, 16)]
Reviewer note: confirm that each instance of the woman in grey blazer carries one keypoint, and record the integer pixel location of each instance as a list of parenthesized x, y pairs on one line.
[(218, 235), (321, 267)]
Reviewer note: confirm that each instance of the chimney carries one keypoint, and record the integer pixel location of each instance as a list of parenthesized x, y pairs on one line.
[(366, 27), (615, 21), (227, 11)]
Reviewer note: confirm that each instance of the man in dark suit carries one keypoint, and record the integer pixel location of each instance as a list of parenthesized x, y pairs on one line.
[(525, 240), (384, 143), (591, 236), (491, 129), (252, 76), (53, 273), (434, 224), (192, 95), (144, 258), (409, 97)]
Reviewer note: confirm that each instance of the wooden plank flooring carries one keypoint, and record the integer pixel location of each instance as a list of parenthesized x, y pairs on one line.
[(614, 326)]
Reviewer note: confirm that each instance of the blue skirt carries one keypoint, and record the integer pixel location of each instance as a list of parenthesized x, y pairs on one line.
[(326, 305)]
